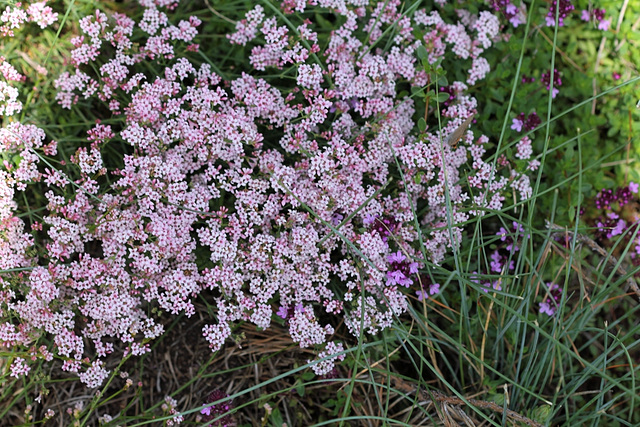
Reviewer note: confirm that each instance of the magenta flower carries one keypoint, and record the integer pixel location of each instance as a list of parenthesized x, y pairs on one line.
[(212, 412), (532, 122), (282, 312), (397, 277), (513, 14), (499, 261), (526, 79), (487, 286), (527, 123), (510, 237), (604, 24)]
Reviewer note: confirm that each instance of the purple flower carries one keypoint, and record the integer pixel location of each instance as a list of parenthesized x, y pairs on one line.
[(604, 24), (431, 289), (509, 10), (604, 198), (526, 79), (552, 299), (336, 218), (396, 257), (509, 238), (547, 309), (529, 122), (496, 262), (288, 312), (491, 285), (396, 277), (368, 219), (564, 9), (400, 270), (585, 15), (623, 195), (619, 228), (532, 122), (557, 81), (383, 226), (598, 16), (413, 268), (452, 95), (517, 124), (282, 312)]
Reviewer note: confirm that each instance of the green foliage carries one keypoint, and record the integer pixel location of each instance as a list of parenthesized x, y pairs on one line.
[(598, 71)]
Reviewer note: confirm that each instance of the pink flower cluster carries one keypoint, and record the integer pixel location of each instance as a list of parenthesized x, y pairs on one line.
[(169, 408), (14, 16), (12, 19), (253, 196)]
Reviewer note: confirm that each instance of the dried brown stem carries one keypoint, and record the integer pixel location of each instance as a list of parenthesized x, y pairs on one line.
[(218, 14), (451, 400), (436, 396)]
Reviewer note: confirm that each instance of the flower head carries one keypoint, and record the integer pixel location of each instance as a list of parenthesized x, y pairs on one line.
[(384, 226), (557, 81), (428, 289), (551, 300), (211, 412), (400, 270), (561, 8)]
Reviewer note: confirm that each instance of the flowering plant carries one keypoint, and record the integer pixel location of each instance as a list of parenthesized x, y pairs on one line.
[(326, 165), (254, 193), (322, 192)]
